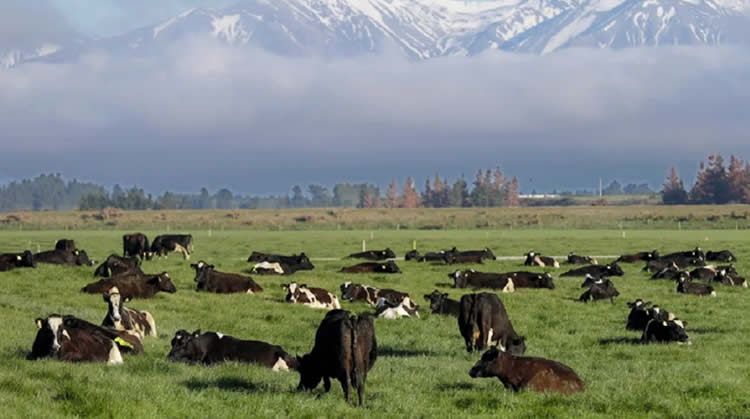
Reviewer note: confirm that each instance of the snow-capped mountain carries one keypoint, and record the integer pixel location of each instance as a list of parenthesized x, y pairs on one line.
[(424, 29)]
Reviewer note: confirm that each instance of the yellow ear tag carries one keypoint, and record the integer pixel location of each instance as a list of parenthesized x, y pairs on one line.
[(122, 342)]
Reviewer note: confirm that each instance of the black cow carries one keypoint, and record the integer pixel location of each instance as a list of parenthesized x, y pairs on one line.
[(66, 245), (441, 304), (642, 312), (136, 245), (10, 261), (287, 264), (63, 257), (639, 257), (116, 265), (387, 267), (370, 295), (209, 280), (665, 331), (720, 256), (705, 273), (454, 258), (437, 256), (345, 349), (686, 286), (597, 271), (384, 254), (484, 322), (119, 317), (182, 243), (133, 285), (574, 259), (485, 253), (535, 259), (411, 255), (56, 340), (212, 348), (600, 289), (681, 262), (696, 253)]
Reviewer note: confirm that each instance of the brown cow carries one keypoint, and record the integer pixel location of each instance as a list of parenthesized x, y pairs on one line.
[(133, 285), (210, 280)]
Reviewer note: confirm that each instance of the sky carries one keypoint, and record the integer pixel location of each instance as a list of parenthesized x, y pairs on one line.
[(204, 114)]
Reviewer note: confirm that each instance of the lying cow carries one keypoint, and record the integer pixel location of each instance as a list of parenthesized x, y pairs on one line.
[(310, 296), (56, 340), (384, 254), (209, 280), (665, 331), (485, 253), (535, 259), (720, 256), (696, 253), (599, 289), (133, 285), (181, 243), (119, 317), (436, 256), (642, 312), (212, 348), (671, 273), (639, 257), (387, 267), (387, 309), (520, 372), (370, 295), (10, 261), (441, 304), (136, 245), (728, 278), (574, 259), (345, 349), (597, 271), (484, 322), (456, 258), (117, 265), (64, 257), (686, 286), (411, 255), (681, 262), (66, 245), (475, 279), (289, 264)]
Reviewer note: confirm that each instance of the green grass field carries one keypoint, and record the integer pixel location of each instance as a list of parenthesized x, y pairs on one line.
[(422, 369)]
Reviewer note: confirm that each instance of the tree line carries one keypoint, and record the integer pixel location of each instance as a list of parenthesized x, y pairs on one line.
[(715, 183)]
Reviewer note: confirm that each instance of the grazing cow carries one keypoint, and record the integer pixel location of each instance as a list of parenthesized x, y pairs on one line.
[(535, 259), (657, 331), (212, 348), (209, 280), (484, 322), (686, 286), (600, 289), (519, 372), (119, 317), (65, 245), (720, 256), (116, 265), (56, 340), (289, 264), (387, 267), (166, 243), (345, 349), (10, 261), (639, 257), (574, 259), (133, 285), (387, 309), (370, 295), (63, 257), (640, 314), (310, 296), (437, 256), (411, 255), (441, 304), (384, 254), (597, 271), (136, 245)]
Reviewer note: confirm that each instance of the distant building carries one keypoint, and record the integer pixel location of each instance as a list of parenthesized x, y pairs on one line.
[(539, 196)]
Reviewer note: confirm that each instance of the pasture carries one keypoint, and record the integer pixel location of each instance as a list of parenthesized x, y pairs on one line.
[(422, 367)]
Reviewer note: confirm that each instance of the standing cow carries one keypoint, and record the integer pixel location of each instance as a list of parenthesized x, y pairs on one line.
[(136, 245), (484, 322)]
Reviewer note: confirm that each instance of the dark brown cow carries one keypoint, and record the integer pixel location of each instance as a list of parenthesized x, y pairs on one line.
[(484, 322), (310, 296), (345, 349), (136, 245), (384, 254), (117, 265), (133, 285), (520, 372), (441, 304), (10, 261), (210, 280), (63, 257), (639, 257), (368, 294), (119, 317), (387, 267)]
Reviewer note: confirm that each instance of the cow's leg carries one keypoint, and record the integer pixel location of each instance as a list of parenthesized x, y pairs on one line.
[(346, 385), (361, 390), (326, 384)]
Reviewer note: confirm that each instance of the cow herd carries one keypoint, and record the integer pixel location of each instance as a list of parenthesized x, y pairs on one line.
[(345, 346)]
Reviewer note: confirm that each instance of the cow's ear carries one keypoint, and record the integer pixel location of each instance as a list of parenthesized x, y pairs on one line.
[(38, 322), (197, 333), (105, 297), (211, 267), (19, 258)]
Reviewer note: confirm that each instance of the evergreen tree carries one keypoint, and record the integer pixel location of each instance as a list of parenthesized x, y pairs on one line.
[(459, 194), (711, 186), (427, 194), (737, 180), (674, 191)]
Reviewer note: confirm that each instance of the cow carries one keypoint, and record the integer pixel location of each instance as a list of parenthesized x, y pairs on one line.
[(600, 289), (484, 322), (597, 271), (535, 259), (441, 304), (475, 279), (345, 348), (485, 253), (387, 309), (705, 273), (454, 258), (10, 261), (65, 245), (671, 272), (125, 341), (657, 331), (210, 280), (268, 268), (119, 317), (696, 253), (729, 278), (387, 267), (686, 286), (133, 285), (639, 257), (182, 243), (720, 256), (436, 256), (574, 259), (116, 265), (310, 296), (642, 312), (411, 255), (63, 257), (289, 264), (681, 262), (212, 348), (520, 372), (384, 254), (56, 340), (136, 245), (368, 294)]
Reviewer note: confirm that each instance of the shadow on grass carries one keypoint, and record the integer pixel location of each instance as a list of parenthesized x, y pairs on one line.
[(443, 285), (620, 340), (389, 351), (233, 384)]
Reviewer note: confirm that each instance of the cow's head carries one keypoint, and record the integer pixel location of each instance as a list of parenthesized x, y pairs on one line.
[(411, 255), (292, 291), (163, 283), (201, 270), (436, 300), (545, 280), (388, 253), (488, 254), (185, 347), (674, 331), (516, 345), (530, 258), (114, 306), (48, 337), (309, 372), (489, 365), (26, 260), (349, 290), (82, 258), (614, 269), (459, 278), (303, 262), (390, 267)]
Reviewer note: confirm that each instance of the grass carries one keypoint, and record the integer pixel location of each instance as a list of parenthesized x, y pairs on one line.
[(422, 370)]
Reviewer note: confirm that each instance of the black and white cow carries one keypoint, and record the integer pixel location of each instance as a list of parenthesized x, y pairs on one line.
[(181, 243), (665, 331), (484, 322), (370, 295), (729, 277), (671, 272), (681, 262), (438, 256), (64, 257), (642, 312), (56, 340), (536, 259), (119, 317), (440, 303), (600, 289), (475, 279), (286, 264), (136, 245), (412, 255), (387, 309), (639, 257), (685, 286), (209, 280), (574, 259), (310, 296)]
